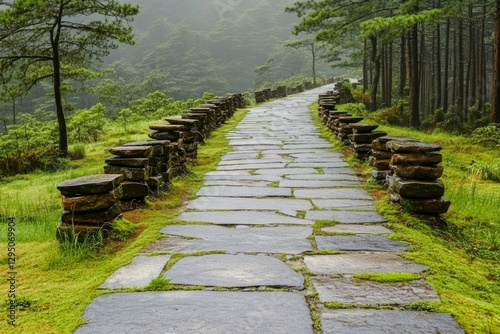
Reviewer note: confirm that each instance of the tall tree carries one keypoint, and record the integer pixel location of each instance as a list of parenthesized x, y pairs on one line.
[(40, 39), (495, 100), (312, 46)]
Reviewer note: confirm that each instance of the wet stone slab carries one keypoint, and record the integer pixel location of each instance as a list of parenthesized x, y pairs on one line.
[(253, 161), (357, 229), (350, 291), (358, 263), (234, 271), (359, 243), (286, 171), (317, 184), (347, 217), (329, 193), (137, 274), (235, 203), (361, 321), (329, 164), (242, 177), (226, 191), (324, 177), (240, 156), (236, 183), (241, 218), (339, 171), (344, 204), (281, 240), (252, 166), (201, 312)]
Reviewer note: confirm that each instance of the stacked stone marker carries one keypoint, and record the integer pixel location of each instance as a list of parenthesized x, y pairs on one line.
[(158, 165), (281, 91), (343, 127), (91, 204), (260, 97), (415, 183), (173, 133), (133, 163), (381, 157), (362, 137)]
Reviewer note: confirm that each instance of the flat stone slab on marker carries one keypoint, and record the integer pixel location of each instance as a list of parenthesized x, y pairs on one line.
[(91, 184), (276, 240), (200, 312), (137, 274), (241, 218), (359, 243), (351, 291), (333, 193), (358, 263), (234, 271), (235, 203), (361, 321), (132, 151), (357, 229)]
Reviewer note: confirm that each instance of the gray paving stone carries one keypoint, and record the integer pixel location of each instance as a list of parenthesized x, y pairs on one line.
[(240, 156), (306, 146), (324, 177), (241, 191), (357, 292), (286, 171), (200, 312), (253, 142), (236, 203), (253, 161), (234, 271), (357, 229), (137, 274), (243, 177), (317, 184), (323, 154), (344, 193), (236, 183), (255, 148), (359, 243), (344, 170), (357, 263), (347, 217), (344, 204), (280, 240), (252, 166), (361, 321), (329, 164), (241, 218)]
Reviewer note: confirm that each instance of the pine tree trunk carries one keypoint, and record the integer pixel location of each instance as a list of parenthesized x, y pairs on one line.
[(495, 98), (414, 79), (402, 67), (446, 92), (376, 74)]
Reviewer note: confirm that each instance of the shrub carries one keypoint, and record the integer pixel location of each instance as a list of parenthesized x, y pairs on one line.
[(356, 109), (488, 136), (77, 152), (392, 116), (86, 125)]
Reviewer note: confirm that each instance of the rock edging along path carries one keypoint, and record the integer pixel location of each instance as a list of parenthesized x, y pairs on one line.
[(258, 207)]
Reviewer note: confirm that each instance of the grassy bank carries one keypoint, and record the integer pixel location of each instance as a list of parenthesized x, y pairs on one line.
[(463, 252), (55, 285)]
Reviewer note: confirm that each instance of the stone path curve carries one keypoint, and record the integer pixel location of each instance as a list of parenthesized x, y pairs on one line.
[(259, 207)]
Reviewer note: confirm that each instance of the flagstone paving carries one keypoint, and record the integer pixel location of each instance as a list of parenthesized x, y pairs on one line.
[(246, 260)]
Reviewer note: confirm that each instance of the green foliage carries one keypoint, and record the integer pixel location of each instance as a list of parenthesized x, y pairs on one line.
[(127, 116), (488, 136), (356, 109), (86, 125), (391, 116), (77, 152), (386, 277), (160, 284), (122, 230), (486, 171)]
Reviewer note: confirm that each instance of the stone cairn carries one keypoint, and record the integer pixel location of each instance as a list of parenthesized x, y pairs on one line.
[(360, 141), (380, 158), (415, 181), (174, 133), (133, 163), (308, 85), (91, 203)]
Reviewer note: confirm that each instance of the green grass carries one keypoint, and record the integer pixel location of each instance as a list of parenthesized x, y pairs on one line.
[(55, 282), (462, 252), (386, 277)]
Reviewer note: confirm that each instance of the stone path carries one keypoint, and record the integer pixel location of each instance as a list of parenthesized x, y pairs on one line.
[(257, 211)]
